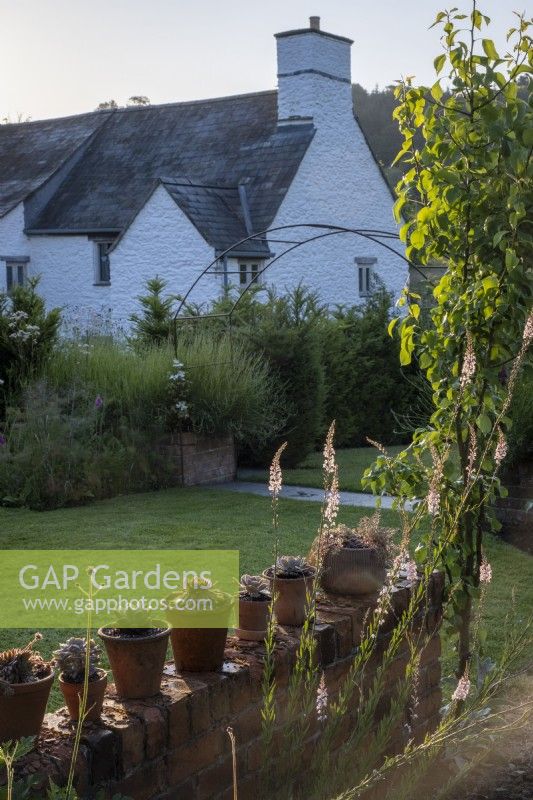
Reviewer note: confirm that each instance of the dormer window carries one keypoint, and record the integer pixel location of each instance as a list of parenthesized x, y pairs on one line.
[(365, 272), (248, 272)]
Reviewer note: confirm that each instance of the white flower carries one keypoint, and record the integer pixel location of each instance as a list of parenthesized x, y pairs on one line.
[(322, 700), (469, 363), (501, 448), (178, 376), (182, 408), (462, 689), (411, 573), (485, 572)]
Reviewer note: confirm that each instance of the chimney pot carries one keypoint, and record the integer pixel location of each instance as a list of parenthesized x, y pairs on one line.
[(314, 23)]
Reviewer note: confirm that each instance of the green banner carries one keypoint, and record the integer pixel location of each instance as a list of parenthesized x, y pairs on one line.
[(119, 588)]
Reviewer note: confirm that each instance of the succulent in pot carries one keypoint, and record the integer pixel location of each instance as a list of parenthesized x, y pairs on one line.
[(254, 604), (198, 637), (25, 683), (137, 656), (71, 659), (353, 561), (291, 580)]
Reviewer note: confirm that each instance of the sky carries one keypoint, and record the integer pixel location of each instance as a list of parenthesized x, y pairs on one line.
[(62, 57)]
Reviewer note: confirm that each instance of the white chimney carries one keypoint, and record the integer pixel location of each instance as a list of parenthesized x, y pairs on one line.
[(314, 75)]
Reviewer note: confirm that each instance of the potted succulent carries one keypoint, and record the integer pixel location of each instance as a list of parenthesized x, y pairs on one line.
[(200, 649), (25, 683), (354, 561), (137, 657), (291, 580), (254, 603), (71, 659)]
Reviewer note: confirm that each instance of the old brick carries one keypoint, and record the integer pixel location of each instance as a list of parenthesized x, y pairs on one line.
[(198, 702), (144, 782), (185, 791), (156, 733), (342, 624), (103, 747), (219, 700), (195, 755), (129, 733), (175, 701), (326, 642), (240, 690), (215, 779), (248, 724)]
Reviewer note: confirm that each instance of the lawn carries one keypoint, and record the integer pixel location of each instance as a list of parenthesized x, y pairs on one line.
[(352, 461), (210, 518)]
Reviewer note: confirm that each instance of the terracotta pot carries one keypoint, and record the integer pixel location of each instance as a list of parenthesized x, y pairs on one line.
[(253, 619), (22, 713), (290, 603), (198, 649), (353, 571), (72, 693), (137, 662)]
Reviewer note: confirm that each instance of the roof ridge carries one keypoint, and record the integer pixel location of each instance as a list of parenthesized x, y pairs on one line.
[(127, 109)]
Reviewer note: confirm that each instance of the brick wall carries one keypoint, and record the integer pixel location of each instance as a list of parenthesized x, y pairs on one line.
[(175, 745), (195, 460), (515, 511)]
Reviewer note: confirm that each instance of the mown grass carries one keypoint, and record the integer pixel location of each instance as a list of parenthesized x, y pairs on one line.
[(215, 519), (352, 461)]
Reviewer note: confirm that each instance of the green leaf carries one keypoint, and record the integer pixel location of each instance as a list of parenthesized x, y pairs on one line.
[(491, 282), (392, 325), (439, 62), (484, 424), (415, 310), (490, 50), (527, 137)]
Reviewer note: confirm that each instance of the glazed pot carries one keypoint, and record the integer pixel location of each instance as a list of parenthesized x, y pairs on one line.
[(72, 692), (253, 619), (198, 649), (353, 571), (137, 662), (290, 596), (22, 712)]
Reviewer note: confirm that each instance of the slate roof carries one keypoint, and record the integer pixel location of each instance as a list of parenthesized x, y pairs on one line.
[(218, 214), (30, 152), (202, 150)]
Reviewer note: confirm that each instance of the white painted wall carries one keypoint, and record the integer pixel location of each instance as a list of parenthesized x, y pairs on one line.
[(12, 240), (161, 241), (338, 182)]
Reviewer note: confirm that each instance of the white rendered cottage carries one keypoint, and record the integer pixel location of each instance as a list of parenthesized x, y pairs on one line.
[(98, 203)]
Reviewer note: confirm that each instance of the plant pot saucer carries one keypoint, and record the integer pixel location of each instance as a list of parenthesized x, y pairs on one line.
[(250, 636)]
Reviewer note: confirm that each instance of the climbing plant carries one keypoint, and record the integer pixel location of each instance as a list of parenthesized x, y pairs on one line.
[(470, 186)]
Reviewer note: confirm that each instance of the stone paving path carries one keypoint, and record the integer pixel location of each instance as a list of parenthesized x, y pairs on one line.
[(305, 493)]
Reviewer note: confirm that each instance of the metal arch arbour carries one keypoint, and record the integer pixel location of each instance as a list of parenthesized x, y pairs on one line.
[(373, 234)]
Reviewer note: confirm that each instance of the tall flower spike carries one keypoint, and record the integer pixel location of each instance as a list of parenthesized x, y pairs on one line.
[(329, 451), (332, 499), (276, 476), (527, 336), (322, 700), (485, 571), (469, 363), (501, 447), (462, 689), (433, 498), (472, 451)]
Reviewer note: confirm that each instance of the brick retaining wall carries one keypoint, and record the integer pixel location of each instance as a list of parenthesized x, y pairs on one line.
[(195, 460), (175, 746)]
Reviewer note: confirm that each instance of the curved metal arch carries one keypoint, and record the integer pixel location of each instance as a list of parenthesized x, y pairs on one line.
[(373, 234)]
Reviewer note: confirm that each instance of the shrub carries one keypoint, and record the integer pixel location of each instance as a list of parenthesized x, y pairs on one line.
[(286, 332), (520, 436), (154, 324), (27, 335), (366, 387)]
